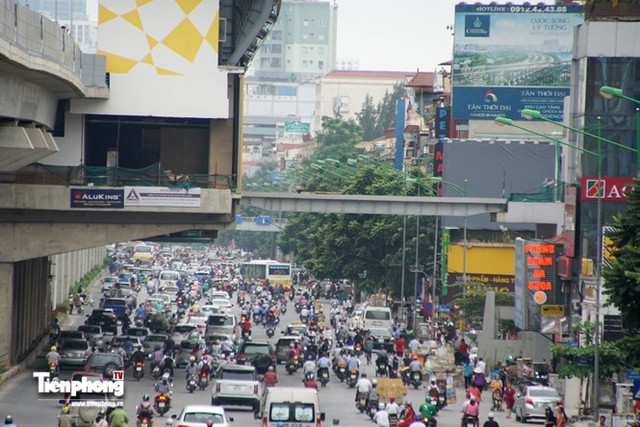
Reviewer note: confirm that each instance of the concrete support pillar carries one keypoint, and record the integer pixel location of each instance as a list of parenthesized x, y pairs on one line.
[(221, 150), (6, 311)]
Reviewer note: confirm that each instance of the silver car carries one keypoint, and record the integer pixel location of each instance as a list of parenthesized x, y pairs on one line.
[(532, 400), (73, 352)]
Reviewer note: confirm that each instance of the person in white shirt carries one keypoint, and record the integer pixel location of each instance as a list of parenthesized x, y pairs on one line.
[(381, 418), (414, 345), (309, 367), (392, 407), (481, 364), (363, 386)]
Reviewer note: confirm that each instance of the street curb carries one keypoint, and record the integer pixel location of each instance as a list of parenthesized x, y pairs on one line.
[(42, 345)]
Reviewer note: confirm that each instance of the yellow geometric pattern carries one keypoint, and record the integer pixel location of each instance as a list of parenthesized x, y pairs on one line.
[(174, 37)]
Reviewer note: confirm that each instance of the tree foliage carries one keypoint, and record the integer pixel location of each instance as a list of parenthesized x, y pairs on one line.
[(337, 139), (386, 109), (367, 119), (622, 279), (578, 361), (472, 305), (346, 245)]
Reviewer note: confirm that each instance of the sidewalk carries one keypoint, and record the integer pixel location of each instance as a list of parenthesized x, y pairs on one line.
[(66, 322)]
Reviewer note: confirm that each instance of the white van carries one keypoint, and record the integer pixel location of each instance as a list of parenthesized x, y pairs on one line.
[(168, 278), (293, 406), (377, 317)]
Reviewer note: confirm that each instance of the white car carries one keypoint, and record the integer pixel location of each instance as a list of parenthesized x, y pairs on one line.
[(224, 304), (219, 295), (198, 415), (210, 309)]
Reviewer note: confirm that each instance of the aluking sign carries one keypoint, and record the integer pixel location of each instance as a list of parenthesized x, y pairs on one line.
[(510, 57)]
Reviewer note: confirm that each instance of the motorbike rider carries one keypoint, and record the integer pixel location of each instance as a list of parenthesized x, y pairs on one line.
[(157, 356), (246, 327), (192, 367), (470, 409), (490, 422), (416, 366), (146, 409), (163, 387), (392, 407), (353, 363), (270, 377), (382, 359), (309, 367), (381, 418), (427, 410), (363, 386), (323, 363), (53, 357), (310, 381), (204, 368), (373, 394), (101, 420), (167, 365), (138, 355), (409, 415)]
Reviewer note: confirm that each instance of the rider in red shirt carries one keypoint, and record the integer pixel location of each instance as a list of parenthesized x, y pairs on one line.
[(246, 325), (270, 378), (310, 382), (400, 346)]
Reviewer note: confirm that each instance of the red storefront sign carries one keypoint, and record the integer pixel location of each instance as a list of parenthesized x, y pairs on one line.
[(609, 188)]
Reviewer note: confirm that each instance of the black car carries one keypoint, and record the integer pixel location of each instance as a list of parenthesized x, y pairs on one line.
[(106, 319), (105, 363), (257, 353)]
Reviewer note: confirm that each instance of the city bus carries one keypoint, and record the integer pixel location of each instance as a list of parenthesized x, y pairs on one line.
[(278, 273)]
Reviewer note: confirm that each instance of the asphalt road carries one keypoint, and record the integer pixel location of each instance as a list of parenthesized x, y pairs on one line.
[(19, 396)]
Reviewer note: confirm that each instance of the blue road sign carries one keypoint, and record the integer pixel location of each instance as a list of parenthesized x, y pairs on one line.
[(636, 390)]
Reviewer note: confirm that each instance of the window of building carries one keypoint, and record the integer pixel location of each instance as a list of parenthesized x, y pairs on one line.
[(321, 23), (276, 48), (321, 50), (305, 64), (320, 65), (320, 36), (305, 23), (275, 62), (222, 30), (305, 36), (276, 35)]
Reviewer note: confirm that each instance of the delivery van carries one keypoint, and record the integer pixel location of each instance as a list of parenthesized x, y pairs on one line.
[(292, 406), (377, 317)]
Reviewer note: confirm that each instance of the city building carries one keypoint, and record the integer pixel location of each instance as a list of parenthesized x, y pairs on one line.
[(280, 85)]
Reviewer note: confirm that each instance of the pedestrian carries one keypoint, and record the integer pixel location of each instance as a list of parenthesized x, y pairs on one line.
[(561, 417), (509, 398), (399, 344), (468, 372), (549, 418), (65, 419), (118, 418), (603, 421), (478, 379)]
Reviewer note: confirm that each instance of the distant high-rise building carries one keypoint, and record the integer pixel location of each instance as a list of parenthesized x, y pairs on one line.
[(59, 9), (280, 87)]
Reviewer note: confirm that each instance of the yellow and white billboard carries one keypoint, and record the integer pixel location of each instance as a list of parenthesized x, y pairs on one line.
[(162, 56)]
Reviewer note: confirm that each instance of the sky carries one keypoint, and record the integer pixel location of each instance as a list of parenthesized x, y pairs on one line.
[(397, 35)]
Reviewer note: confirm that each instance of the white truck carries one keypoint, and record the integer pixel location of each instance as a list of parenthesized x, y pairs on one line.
[(237, 385)]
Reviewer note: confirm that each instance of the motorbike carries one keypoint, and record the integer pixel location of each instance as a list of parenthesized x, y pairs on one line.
[(323, 376), (342, 372), (361, 402), (53, 370), (358, 349), (298, 307), (191, 384), (163, 403), (203, 381), (393, 420), (145, 419), (373, 408), (353, 378), (469, 421), (270, 332), (292, 365), (283, 309), (156, 372), (138, 370), (415, 379), (497, 399), (246, 334), (382, 370)]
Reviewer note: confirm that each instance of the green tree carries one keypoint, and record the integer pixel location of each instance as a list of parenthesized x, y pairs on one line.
[(367, 119), (622, 279), (337, 139), (472, 305), (386, 109), (344, 245)]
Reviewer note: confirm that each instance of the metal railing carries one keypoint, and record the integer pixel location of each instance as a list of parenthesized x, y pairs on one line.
[(115, 177), (39, 36)]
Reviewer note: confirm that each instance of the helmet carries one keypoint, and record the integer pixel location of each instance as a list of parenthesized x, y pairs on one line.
[(381, 406), (336, 421), (407, 403), (310, 376), (363, 375), (8, 420), (65, 409), (53, 348), (490, 415), (472, 398), (291, 345), (392, 399), (433, 381), (166, 376), (192, 359), (374, 382), (145, 398), (270, 368)]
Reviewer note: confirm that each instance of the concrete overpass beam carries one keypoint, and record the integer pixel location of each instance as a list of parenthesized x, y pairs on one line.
[(6, 311)]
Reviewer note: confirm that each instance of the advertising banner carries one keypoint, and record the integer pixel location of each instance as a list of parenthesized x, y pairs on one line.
[(510, 57), (445, 241), (609, 188), (162, 197), (96, 198)]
